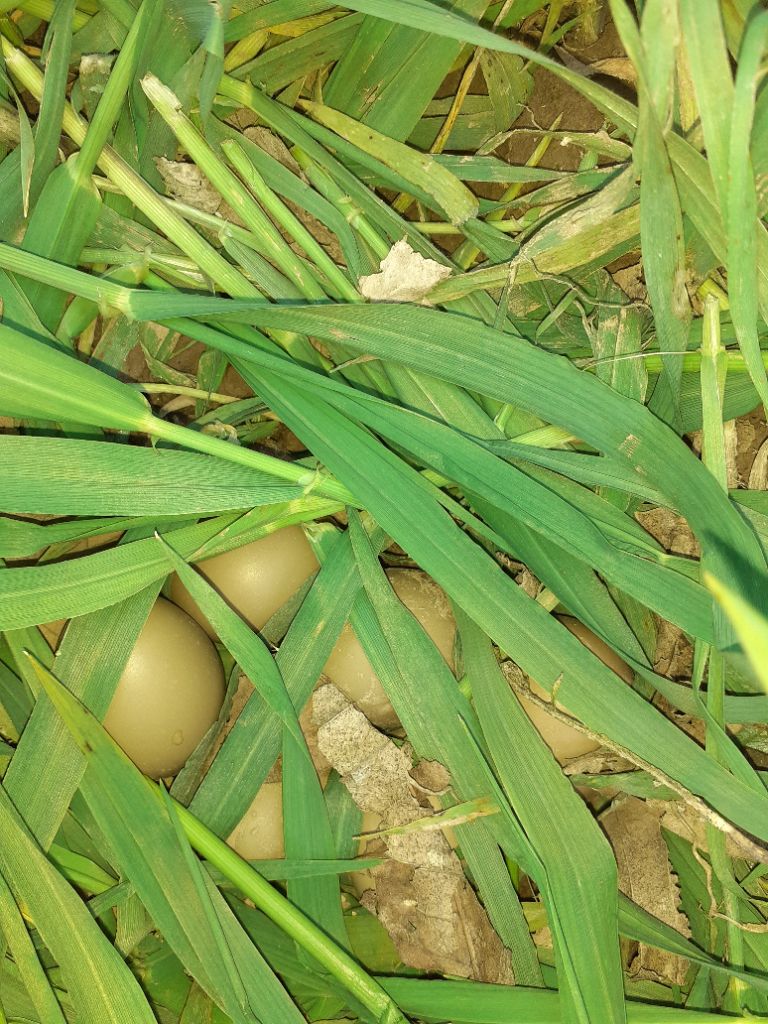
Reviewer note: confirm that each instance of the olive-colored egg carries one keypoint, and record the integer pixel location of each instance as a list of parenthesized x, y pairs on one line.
[(259, 833), (169, 694), (348, 667), (256, 579), (565, 742)]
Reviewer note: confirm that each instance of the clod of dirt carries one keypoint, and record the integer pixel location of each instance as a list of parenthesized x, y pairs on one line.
[(645, 875), (421, 895), (405, 276), (670, 530), (273, 145), (188, 184)]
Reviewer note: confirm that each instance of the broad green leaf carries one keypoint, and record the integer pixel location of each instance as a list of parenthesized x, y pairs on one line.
[(71, 477)]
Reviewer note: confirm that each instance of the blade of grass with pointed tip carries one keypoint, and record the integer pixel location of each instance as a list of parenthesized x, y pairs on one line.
[(253, 744), (68, 207), (307, 833), (129, 808), (465, 1002), (691, 171), (750, 625), (40, 593), (39, 382), (390, 74), (100, 985), (519, 625), (500, 366), (661, 221), (713, 83), (276, 12), (58, 42), (435, 714)]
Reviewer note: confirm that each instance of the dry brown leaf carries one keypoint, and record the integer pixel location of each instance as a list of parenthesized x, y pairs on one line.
[(420, 893), (404, 276), (646, 877)]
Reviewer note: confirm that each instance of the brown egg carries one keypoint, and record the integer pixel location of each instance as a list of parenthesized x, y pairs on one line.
[(256, 579), (259, 834), (348, 667), (564, 741), (169, 694)]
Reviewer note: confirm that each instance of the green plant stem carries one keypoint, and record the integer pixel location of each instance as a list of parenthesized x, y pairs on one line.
[(150, 388), (152, 205), (327, 187), (439, 227), (289, 918), (230, 188), (311, 480), (714, 369), (136, 189), (274, 205)]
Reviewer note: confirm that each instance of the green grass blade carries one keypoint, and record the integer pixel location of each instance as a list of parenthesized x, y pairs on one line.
[(120, 796), (25, 957), (569, 843), (253, 745), (450, 194), (47, 766), (168, 879), (241, 641), (751, 627), (713, 83), (742, 223), (100, 985), (69, 477), (58, 42)]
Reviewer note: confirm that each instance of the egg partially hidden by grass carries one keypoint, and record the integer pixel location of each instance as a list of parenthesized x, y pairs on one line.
[(259, 833), (256, 579), (564, 741), (348, 667), (169, 695)]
